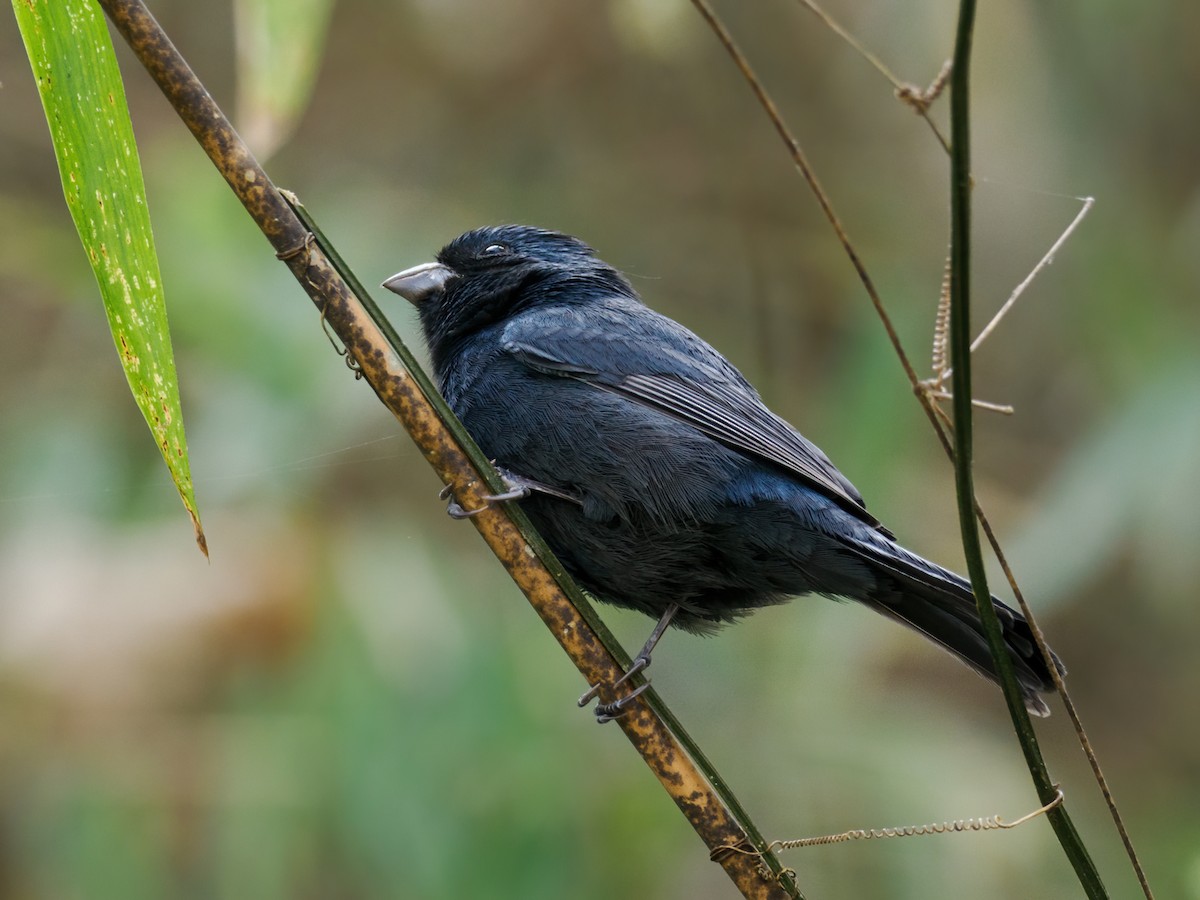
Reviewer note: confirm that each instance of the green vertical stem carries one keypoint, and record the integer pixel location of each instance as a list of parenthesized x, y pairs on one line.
[(960, 344)]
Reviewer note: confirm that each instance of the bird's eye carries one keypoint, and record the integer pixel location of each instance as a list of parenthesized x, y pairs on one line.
[(494, 250)]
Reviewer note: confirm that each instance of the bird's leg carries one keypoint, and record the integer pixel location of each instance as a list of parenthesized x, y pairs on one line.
[(606, 712), (518, 488), (513, 480)]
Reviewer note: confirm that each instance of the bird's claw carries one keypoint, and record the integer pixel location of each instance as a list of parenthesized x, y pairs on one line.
[(606, 712), (455, 510)]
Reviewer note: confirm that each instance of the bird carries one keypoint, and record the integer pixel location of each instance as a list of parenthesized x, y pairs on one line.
[(653, 468)]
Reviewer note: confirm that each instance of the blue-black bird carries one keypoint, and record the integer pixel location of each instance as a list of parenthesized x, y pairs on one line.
[(652, 467)]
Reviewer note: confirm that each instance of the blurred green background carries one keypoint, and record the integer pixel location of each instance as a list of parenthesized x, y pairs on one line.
[(352, 700)]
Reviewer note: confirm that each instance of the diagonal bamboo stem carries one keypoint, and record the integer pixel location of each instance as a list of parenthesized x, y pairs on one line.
[(399, 383)]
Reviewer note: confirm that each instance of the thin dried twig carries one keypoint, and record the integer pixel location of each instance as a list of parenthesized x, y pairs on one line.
[(1088, 203), (918, 99), (958, 826), (934, 387), (941, 367)]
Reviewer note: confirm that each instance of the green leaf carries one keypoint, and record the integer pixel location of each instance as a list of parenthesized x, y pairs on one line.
[(279, 46), (77, 75)]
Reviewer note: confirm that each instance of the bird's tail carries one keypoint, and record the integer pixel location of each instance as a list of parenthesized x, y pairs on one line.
[(940, 605)]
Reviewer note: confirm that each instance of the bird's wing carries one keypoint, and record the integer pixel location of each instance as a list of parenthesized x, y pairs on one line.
[(630, 350)]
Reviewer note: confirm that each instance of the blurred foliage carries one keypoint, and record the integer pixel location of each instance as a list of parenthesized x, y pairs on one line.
[(352, 700), (279, 49)]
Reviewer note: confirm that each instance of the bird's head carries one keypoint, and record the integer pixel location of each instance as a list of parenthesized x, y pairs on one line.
[(487, 275)]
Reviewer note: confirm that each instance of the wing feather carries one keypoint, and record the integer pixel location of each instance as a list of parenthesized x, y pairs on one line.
[(625, 348)]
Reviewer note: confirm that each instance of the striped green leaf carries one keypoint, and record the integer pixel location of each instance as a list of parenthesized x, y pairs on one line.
[(80, 85)]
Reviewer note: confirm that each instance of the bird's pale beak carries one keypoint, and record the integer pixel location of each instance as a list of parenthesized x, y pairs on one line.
[(418, 284)]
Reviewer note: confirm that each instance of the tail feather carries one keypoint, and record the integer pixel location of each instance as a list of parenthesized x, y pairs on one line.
[(941, 605)]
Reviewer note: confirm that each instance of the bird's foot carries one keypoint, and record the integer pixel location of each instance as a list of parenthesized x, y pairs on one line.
[(517, 486), (455, 510), (606, 712)]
